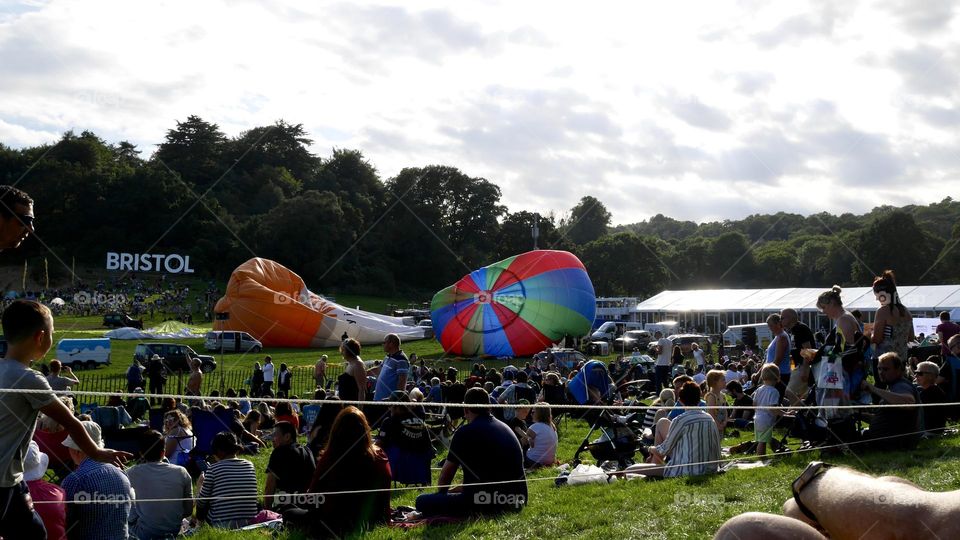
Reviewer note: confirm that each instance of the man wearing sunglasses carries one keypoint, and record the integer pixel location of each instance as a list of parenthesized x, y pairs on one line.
[(892, 427), (16, 217), (935, 417)]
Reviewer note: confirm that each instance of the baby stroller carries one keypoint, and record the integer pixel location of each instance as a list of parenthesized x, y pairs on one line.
[(619, 439)]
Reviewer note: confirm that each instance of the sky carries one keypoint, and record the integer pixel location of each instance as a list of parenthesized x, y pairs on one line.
[(697, 110)]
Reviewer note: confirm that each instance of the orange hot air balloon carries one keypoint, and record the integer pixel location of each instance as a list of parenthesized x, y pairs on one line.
[(273, 304)]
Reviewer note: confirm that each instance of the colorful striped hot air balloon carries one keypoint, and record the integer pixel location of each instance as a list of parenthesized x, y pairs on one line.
[(516, 307)]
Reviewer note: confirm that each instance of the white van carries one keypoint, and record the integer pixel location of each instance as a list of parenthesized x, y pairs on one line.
[(665, 327), (84, 353), (231, 341), (734, 335), (611, 330)]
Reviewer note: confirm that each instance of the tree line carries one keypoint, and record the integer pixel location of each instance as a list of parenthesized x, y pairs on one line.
[(343, 228)]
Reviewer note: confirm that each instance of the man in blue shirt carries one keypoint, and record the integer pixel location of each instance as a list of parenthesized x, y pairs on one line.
[(98, 494), (393, 371)]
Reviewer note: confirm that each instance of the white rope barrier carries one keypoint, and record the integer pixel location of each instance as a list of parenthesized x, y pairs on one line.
[(339, 402), (638, 472)]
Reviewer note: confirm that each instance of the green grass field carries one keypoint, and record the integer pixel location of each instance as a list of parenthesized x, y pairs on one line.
[(676, 508), (680, 508)]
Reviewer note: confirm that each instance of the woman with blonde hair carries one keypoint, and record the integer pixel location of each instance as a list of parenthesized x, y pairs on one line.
[(542, 435), (178, 437), (716, 402)]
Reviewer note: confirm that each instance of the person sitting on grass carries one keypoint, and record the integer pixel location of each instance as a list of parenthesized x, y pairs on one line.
[(178, 437), (934, 418), (228, 490), (160, 483), (488, 452), (766, 396), (844, 504), (692, 443), (93, 479), (518, 423), (678, 408), (660, 408), (542, 435), (290, 468), (741, 417), (892, 427), (285, 414), (352, 462)]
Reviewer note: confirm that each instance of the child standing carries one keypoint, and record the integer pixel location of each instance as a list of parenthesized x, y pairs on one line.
[(766, 396), (716, 382)]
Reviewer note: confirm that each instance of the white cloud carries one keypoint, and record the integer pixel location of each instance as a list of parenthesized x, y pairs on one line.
[(711, 112)]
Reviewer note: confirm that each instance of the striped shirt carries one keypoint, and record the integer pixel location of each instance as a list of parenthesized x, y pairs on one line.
[(693, 438), (233, 477)]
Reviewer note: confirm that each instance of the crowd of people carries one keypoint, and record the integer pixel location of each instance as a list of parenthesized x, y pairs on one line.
[(339, 482)]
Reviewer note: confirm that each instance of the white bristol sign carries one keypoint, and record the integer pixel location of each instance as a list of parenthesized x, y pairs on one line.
[(148, 262)]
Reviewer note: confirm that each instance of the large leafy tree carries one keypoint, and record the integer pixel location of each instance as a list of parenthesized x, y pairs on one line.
[(625, 264), (194, 150), (588, 221)]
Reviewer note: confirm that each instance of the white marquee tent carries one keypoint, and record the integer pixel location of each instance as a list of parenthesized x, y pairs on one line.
[(711, 308)]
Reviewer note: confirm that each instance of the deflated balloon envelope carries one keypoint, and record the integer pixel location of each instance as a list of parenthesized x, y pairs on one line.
[(272, 303), (516, 307)]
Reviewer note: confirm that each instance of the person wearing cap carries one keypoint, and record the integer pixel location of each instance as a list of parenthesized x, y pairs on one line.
[(489, 452), (228, 490), (28, 329), (154, 480), (99, 493), (52, 511)]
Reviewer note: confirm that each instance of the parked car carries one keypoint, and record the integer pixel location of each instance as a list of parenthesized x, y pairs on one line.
[(120, 320), (565, 359), (427, 326), (631, 339), (231, 341), (84, 353), (175, 356), (685, 340)]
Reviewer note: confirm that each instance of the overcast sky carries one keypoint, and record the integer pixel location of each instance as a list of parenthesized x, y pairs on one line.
[(702, 111)]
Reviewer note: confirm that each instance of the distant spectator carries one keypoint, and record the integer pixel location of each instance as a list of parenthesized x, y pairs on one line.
[(156, 376), (435, 395), (946, 330), (284, 379), (256, 380), (320, 372), (393, 371), (135, 376), (228, 490), (154, 480), (61, 377), (267, 388)]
